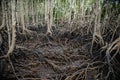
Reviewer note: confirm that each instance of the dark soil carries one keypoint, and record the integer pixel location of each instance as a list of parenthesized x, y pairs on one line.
[(63, 56)]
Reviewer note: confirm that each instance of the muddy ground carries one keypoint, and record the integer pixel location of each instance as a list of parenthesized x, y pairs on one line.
[(63, 56)]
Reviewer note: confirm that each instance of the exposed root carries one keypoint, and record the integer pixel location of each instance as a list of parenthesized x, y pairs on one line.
[(13, 68), (53, 65)]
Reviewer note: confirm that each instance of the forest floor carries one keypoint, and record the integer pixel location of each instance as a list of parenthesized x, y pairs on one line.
[(63, 56)]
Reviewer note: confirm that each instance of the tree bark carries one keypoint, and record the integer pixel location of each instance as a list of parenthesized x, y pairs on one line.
[(3, 14), (22, 16), (13, 39)]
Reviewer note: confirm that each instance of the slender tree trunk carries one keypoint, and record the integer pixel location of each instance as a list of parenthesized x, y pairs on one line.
[(46, 10), (18, 15), (33, 13), (27, 13), (3, 14), (74, 8), (83, 11), (37, 11), (7, 25), (69, 12), (13, 36), (22, 16), (78, 15), (49, 15), (97, 26)]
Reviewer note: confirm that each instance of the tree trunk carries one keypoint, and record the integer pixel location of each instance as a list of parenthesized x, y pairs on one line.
[(3, 14), (22, 16), (33, 13), (49, 16), (13, 39)]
